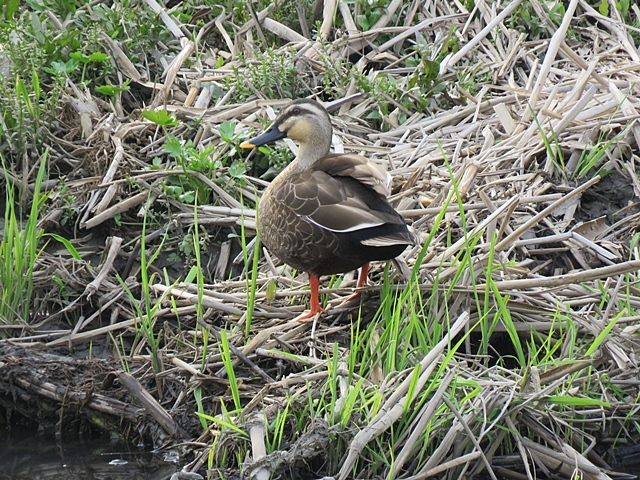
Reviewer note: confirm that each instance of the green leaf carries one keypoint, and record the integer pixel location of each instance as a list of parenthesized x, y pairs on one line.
[(556, 13), (577, 401), (68, 245), (604, 334), (97, 57), (265, 150), (603, 8), (226, 130), (160, 117), (623, 6), (197, 394), (363, 22), (186, 247), (80, 57), (271, 291), (10, 8), (431, 69), (63, 67), (174, 258), (188, 197), (192, 274), (173, 147), (35, 82), (174, 190), (223, 423), (59, 282), (237, 169), (112, 90), (375, 16)]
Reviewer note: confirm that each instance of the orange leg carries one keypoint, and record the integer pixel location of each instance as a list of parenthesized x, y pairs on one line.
[(314, 283), (362, 281), (364, 276)]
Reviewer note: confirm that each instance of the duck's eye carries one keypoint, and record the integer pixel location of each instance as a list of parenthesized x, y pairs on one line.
[(296, 111)]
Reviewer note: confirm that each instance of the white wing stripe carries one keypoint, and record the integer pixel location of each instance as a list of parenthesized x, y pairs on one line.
[(360, 226), (384, 241)]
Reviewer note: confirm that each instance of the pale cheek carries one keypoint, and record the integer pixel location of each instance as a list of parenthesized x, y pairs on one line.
[(297, 132)]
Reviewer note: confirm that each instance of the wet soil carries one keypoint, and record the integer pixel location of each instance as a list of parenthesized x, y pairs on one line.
[(613, 197)]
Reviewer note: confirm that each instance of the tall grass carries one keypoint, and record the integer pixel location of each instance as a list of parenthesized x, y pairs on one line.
[(197, 273), (147, 308), (253, 278), (19, 251)]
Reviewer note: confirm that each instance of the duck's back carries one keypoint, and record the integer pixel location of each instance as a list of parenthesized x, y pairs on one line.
[(332, 218)]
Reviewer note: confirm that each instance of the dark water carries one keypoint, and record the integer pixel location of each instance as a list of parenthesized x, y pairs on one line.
[(34, 457)]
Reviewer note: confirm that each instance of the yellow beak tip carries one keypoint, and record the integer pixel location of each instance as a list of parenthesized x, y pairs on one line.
[(247, 145)]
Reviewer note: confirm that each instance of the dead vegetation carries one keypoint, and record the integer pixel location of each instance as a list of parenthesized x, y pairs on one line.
[(518, 174)]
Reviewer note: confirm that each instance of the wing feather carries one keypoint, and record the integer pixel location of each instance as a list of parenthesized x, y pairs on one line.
[(389, 240), (334, 195), (331, 203), (357, 167)]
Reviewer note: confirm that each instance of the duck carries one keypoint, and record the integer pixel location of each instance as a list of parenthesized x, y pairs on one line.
[(326, 213)]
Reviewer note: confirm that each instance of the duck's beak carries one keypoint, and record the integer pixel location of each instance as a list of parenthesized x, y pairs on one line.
[(271, 135)]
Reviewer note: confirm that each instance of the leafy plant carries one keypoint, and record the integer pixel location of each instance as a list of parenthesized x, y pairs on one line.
[(592, 157), (222, 165), (622, 6), (160, 117), (273, 74)]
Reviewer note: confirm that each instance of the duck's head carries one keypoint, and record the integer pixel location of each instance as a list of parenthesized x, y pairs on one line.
[(303, 120)]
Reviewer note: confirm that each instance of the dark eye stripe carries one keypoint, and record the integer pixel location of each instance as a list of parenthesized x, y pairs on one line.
[(292, 113)]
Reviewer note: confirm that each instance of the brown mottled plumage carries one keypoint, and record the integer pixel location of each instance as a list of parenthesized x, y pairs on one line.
[(326, 213)]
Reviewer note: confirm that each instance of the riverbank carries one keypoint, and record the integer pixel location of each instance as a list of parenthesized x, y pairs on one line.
[(141, 303)]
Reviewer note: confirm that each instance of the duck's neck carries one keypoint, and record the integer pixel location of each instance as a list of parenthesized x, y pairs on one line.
[(314, 148)]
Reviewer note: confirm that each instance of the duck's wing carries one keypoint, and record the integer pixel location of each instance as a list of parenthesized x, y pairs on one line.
[(343, 205), (357, 167)]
